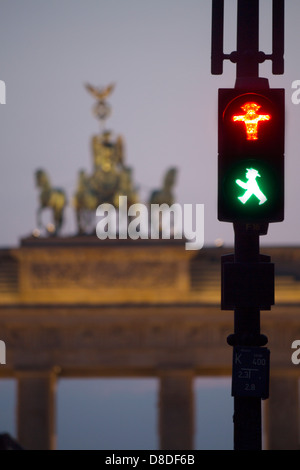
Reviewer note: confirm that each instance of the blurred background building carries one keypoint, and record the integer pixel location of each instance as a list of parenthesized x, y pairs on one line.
[(84, 308)]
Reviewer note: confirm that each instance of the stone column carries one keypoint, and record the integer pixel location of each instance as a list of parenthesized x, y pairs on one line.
[(176, 410), (282, 414), (36, 420)]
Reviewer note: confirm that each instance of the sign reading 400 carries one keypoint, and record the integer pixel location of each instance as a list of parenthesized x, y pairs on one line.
[(250, 372)]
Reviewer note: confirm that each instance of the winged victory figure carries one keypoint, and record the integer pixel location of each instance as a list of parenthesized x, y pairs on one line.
[(100, 93)]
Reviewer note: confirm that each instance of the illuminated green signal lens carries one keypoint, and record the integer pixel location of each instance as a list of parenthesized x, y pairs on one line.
[(251, 186), (250, 190)]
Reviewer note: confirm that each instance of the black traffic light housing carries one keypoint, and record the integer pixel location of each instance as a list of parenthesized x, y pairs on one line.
[(251, 155)]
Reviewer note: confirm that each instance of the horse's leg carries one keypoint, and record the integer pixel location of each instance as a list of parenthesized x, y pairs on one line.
[(39, 216), (79, 221), (58, 213), (58, 221)]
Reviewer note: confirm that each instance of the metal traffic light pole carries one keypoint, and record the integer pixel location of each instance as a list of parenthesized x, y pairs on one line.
[(248, 276), (247, 410)]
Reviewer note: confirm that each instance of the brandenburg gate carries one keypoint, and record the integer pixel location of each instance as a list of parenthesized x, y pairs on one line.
[(84, 307)]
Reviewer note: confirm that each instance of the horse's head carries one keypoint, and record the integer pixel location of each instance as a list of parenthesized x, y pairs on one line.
[(170, 177), (41, 178)]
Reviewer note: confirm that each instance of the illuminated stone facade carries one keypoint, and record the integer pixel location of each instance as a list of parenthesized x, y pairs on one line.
[(81, 307)]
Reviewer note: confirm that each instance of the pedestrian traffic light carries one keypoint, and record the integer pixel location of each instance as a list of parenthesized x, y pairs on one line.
[(251, 155)]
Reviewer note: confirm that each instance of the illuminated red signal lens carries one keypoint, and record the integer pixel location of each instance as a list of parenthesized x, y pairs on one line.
[(251, 119)]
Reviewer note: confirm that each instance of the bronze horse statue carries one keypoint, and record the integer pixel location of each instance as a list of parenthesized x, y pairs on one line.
[(52, 198), (98, 188), (165, 194)]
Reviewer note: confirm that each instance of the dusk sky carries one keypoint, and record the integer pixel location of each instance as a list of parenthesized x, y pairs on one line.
[(164, 105)]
